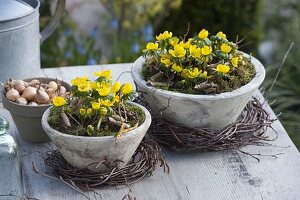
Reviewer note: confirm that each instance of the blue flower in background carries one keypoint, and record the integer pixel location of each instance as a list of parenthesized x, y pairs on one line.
[(81, 50), (94, 32), (135, 34), (148, 33), (68, 32), (114, 23), (68, 54), (91, 61), (135, 47)]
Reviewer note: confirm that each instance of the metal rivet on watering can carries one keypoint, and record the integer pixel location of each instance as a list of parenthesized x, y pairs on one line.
[(20, 37)]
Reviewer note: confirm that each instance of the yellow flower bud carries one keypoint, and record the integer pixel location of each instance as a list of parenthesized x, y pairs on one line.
[(58, 101), (89, 111), (178, 51), (221, 35), (235, 61), (185, 45), (126, 89), (104, 91), (116, 99), (83, 86), (116, 87), (186, 73), (203, 34), (77, 80), (151, 46), (204, 74), (206, 50), (225, 48), (222, 68), (103, 111), (173, 41), (103, 73), (166, 61), (96, 105), (194, 51), (107, 103), (176, 68), (163, 36), (82, 111)]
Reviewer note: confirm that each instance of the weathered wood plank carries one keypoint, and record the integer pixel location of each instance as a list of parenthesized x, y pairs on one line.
[(214, 175)]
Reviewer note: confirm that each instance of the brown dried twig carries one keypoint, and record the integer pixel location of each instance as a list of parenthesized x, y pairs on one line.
[(249, 129), (147, 157)]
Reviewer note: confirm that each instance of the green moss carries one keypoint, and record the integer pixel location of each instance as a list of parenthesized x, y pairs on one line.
[(134, 115), (237, 78)]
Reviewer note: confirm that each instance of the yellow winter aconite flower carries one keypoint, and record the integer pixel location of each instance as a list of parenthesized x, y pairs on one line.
[(76, 80), (93, 85), (58, 101), (222, 68), (186, 73), (221, 35), (225, 48), (82, 111), (83, 86), (204, 74), (103, 91), (173, 41), (164, 35), (206, 50), (178, 51), (116, 87), (105, 73), (151, 46), (235, 61), (116, 99), (96, 105), (195, 52), (126, 88), (185, 45), (107, 103), (203, 34), (89, 111), (176, 68), (166, 61)]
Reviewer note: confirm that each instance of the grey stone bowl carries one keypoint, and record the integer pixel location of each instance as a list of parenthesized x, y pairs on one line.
[(28, 118), (80, 151), (203, 111)]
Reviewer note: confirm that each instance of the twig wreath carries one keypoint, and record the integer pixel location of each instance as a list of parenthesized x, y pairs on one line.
[(249, 129), (145, 160)]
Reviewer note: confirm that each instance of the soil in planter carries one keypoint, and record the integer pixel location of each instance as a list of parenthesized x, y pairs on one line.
[(109, 126), (168, 80)]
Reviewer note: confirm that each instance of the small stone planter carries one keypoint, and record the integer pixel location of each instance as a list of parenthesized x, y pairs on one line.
[(28, 118), (81, 151), (202, 111)]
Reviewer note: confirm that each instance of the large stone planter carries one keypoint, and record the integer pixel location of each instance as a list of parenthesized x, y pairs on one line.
[(204, 111), (81, 151), (28, 118)]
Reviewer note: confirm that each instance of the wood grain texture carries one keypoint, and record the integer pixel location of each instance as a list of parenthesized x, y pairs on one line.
[(214, 175)]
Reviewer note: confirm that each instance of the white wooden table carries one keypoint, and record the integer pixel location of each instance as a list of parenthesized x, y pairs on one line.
[(216, 175)]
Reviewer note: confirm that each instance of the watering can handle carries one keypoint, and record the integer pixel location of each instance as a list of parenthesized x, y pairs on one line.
[(49, 29)]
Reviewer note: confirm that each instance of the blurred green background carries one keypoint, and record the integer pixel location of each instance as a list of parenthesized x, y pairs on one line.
[(122, 27)]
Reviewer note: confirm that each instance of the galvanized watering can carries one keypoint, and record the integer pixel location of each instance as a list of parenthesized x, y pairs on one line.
[(20, 37)]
